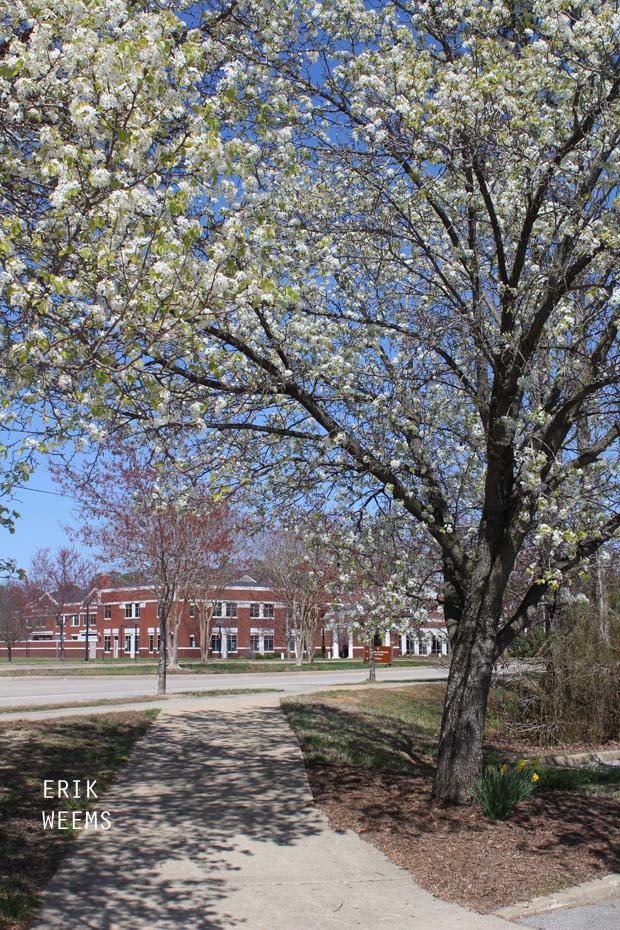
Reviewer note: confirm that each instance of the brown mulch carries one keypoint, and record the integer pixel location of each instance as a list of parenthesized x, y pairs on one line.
[(554, 839)]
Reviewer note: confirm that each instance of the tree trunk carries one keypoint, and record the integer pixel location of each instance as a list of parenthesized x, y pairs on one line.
[(205, 638), (601, 600), (9, 652), (372, 669), (459, 762), (173, 659), (175, 616), (204, 631), (161, 669), (299, 648), (288, 635)]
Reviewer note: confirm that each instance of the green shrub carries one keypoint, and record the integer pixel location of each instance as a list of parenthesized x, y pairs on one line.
[(501, 787)]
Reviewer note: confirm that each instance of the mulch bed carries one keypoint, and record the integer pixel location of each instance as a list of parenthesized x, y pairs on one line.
[(554, 839)]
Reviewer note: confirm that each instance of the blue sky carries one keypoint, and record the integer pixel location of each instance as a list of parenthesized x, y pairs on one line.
[(44, 513)]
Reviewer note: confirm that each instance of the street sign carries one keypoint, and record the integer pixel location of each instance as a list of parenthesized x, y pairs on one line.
[(383, 655)]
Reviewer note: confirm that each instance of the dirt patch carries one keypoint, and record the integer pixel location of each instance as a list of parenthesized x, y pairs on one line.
[(554, 839)]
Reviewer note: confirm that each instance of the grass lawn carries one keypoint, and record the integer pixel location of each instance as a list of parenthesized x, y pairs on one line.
[(213, 667), (74, 748), (370, 756)]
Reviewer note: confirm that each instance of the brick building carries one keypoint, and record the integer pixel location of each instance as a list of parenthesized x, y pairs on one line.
[(121, 623)]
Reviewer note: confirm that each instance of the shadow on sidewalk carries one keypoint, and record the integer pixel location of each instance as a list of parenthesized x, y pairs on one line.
[(206, 798)]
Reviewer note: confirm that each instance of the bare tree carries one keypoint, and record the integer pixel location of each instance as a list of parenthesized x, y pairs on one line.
[(56, 580), (13, 617), (215, 570), (298, 564)]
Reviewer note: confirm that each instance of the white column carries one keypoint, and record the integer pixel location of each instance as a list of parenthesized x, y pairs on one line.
[(351, 645), (387, 638), (416, 646), (403, 644), (224, 644), (444, 646), (335, 644)]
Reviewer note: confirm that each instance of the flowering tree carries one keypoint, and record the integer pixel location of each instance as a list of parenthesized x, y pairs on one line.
[(383, 580), (372, 247), (148, 520)]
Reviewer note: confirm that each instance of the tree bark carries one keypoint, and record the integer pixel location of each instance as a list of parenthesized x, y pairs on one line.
[(372, 669), (205, 634), (601, 600), (163, 654), (459, 762), (173, 661), (300, 646)]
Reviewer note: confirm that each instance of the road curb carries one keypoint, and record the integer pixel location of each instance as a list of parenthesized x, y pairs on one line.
[(592, 892)]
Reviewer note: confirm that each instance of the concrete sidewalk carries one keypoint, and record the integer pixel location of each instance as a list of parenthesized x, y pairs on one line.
[(213, 828)]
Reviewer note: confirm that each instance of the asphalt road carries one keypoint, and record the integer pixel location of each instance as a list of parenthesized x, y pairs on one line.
[(604, 916), (55, 689)]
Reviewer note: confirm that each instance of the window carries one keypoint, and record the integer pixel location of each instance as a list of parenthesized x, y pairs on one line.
[(107, 612), (192, 610), (255, 610), (136, 610), (127, 643), (231, 608), (128, 611), (192, 640), (216, 643), (255, 642), (107, 642), (268, 642), (75, 620), (217, 610), (158, 642), (232, 642), (268, 611), (151, 641)]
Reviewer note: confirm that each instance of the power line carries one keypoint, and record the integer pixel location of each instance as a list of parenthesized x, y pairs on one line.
[(24, 487)]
